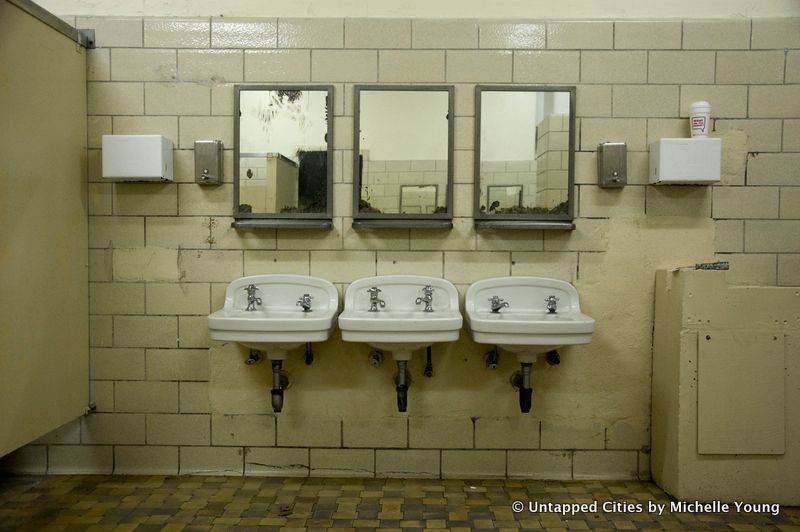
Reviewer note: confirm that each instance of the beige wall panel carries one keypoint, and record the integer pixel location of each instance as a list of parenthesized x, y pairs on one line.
[(691, 305), (43, 211), (737, 413)]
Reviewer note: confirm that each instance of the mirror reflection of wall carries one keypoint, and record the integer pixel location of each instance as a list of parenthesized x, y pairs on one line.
[(504, 197), (524, 142), (403, 143), (418, 199), (283, 150)]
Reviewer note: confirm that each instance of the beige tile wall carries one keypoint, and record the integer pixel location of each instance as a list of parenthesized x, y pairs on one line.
[(161, 254)]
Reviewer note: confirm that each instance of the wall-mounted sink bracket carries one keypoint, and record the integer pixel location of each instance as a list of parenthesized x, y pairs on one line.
[(492, 358), (254, 357), (376, 358)]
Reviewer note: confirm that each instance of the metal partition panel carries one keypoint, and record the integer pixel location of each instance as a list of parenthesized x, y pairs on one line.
[(44, 316)]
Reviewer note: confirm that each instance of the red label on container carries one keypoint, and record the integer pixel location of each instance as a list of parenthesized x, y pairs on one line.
[(698, 122)]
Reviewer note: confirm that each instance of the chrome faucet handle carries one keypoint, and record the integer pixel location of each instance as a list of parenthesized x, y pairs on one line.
[(427, 299), (305, 302), (552, 303), (374, 301), (497, 303), (252, 300)]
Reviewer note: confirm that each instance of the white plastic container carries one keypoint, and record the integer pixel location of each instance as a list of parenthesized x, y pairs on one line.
[(700, 119)]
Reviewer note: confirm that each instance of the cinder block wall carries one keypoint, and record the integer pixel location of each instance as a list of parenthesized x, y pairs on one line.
[(171, 401)]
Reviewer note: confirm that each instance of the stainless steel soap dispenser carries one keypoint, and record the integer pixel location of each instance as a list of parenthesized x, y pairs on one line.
[(208, 162), (612, 167)]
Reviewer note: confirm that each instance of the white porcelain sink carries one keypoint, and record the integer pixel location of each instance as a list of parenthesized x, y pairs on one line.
[(525, 326), (402, 325), (279, 322)]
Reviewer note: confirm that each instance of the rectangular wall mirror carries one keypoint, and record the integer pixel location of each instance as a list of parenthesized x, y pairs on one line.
[(283, 145), (524, 156), (403, 156)]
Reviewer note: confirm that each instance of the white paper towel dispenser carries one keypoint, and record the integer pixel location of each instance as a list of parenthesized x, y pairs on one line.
[(694, 161), (137, 158)]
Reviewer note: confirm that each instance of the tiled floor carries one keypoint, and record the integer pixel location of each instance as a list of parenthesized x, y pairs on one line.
[(234, 503)]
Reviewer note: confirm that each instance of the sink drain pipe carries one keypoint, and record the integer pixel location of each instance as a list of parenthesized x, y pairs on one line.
[(402, 386), (429, 362), (525, 390), (277, 386)]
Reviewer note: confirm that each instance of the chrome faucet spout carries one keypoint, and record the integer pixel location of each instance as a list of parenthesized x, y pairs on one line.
[(305, 302), (497, 303), (427, 298), (252, 299), (374, 300), (552, 304)]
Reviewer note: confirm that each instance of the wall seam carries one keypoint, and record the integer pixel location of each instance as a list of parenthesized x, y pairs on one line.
[(571, 464)]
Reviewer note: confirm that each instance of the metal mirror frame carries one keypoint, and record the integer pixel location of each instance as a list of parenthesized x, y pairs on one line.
[(255, 220), (525, 221), (378, 220)]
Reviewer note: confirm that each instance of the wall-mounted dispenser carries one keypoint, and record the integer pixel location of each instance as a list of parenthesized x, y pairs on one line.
[(137, 158), (612, 164), (694, 161), (208, 162)]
